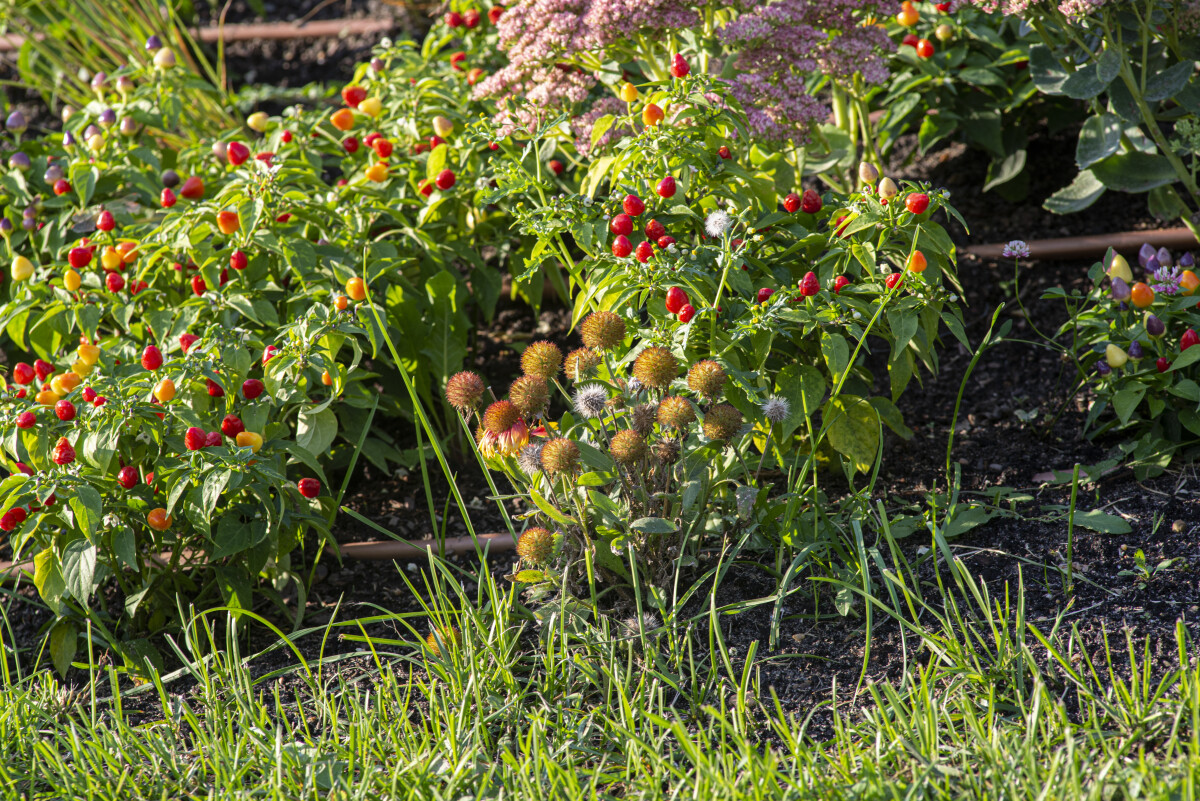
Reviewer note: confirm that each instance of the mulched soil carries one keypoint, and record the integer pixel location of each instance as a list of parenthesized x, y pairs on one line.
[(994, 447)]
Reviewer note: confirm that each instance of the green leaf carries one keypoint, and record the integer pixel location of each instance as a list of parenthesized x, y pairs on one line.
[(529, 576), (1125, 402), (1168, 82), (79, 569), (48, 579), (803, 387), (853, 430), (315, 433), (64, 642), (1101, 521), (653, 525), (1134, 172), (836, 353), (1085, 190), (1083, 84), (601, 127), (1189, 356), (549, 510), (1047, 74), (966, 520), (891, 417), (214, 484), (1099, 138), (234, 536), (88, 509)]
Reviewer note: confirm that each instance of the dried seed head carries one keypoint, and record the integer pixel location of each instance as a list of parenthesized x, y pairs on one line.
[(642, 417), (722, 422), (706, 377), (676, 412), (449, 636), (666, 451), (628, 447), (500, 417), (603, 330), (775, 409), (542, 359), (581, 362), (590, 400), (530, 395), (656, 367), (560, 456), (464, 391), (530, 458), (536, 545)]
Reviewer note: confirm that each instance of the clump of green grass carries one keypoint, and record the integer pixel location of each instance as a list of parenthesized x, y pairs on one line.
[(991, 705)]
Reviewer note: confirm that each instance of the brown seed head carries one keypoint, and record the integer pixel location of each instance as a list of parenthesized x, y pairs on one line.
[(656, 367), (560, 456), (628, 447), (706, 377), (603, 330), (542, 359), (666, 451), (530, 395), (722, 422), (464, 391), (536, 545), (642, 417), (500, 417), (581, 362), (675, 412)]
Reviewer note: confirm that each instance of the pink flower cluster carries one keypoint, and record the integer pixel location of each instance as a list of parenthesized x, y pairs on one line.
[(779, 42), (582, 125)]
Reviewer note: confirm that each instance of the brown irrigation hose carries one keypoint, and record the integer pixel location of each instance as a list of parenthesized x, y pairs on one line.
[(387, 549), (1081, 247), (497, 542), (271, 30)]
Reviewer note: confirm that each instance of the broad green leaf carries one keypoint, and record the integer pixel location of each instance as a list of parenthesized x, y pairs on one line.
[(803, 387), (853, 430), (1126, 401), (64, 641), (1099, 138), (1134, 172), (315, 433), (1105, 523), (79, 569), (88, 509), (836, 353), (1082, 192), (653, 525)]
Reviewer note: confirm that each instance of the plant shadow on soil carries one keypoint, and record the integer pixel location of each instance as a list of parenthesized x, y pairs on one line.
[(994, 447)]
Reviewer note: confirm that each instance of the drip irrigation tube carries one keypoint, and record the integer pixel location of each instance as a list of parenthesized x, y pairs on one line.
[(386, 550), (1082, 247), (241, 32)]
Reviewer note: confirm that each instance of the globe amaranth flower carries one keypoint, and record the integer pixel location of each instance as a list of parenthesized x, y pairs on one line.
[(656, 367), (1016, 249), (537, 545), (706, 377), (722, 422), (627, 447), (580, 362), (464, 391), (542, 359), (602, 330), (560, 456)]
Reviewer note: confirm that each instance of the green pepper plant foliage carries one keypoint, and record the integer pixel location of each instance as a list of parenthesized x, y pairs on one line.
[(1134, 345)]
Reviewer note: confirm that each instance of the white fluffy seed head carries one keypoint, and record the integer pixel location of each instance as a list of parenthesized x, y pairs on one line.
[(590, 400), (775, 409), (717, 223)]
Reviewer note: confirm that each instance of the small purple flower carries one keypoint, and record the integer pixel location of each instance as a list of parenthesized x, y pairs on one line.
[(6, 226), (1154, 327), (1123, 306), (1187, 261), (1166, 280), (1120, 290), (153, 44), (1145, 253), (1103, 369), (1152, 264), (1164, 257), (1016, 249), (1135, 350)]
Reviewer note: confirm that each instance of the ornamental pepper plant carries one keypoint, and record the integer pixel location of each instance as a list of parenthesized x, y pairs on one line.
[(1133, 336)]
